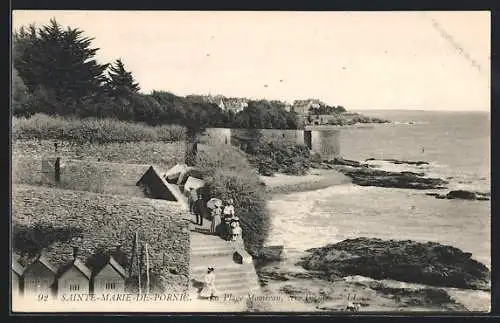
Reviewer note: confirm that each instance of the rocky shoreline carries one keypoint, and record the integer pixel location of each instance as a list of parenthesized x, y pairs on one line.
[(365, 174), (428, 263)]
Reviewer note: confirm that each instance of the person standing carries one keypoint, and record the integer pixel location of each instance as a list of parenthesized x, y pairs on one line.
[(209, 290), (228, 214), (197, 209), (216, 220), (235, 230), (192, 198), (229, 208)]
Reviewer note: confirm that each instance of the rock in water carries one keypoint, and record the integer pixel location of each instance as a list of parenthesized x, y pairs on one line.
[(399, 162), (425, 263), (465, 195), (381, 178), (462, 195)]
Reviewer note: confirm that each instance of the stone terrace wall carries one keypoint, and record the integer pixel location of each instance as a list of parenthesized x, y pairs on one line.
[(83, 175), (109, 220), (158, 153)]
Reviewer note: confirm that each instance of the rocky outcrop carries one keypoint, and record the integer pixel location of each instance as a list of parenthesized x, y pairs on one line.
[(425, 263), (374, 177), (399, 162), (364, 174), (331, 164), (462, 195), (270, 253)]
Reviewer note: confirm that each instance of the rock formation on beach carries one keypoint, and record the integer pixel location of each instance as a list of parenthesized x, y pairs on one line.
[(399, 162), (462, 195), (428, 263), (364, 174)]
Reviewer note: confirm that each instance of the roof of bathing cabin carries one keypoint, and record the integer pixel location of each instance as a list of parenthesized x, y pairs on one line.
[(173, 174), (45, 262), (152, 178), (77, 264), (193, 182), (116, 266), (17, 268)]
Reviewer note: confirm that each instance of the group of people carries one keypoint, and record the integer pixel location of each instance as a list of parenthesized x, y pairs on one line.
[(224, 221)]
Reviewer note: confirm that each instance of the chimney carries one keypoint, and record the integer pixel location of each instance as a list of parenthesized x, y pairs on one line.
[(76, 251)]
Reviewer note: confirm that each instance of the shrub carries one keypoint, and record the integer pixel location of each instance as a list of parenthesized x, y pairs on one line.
[(278, 155), (229, 175), (34, 238), (91, 130)]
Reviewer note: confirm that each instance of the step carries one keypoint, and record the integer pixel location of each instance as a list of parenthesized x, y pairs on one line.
[(208, 256), (207, 248), (215, 250), (232, 292), (230, 282), (221, 274), (206, 239), (221, 265)]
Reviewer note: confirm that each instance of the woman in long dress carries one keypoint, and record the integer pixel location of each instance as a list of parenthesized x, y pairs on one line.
[(229, 208), (235, 230), (216, 220), (209, 290), (228, 214)]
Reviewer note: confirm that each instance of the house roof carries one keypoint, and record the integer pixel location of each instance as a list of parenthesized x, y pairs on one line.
[(44, 261), (79, 265), (17, 268), (116, 266), (16, 257)]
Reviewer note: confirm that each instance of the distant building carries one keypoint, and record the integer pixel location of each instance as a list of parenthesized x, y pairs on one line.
[(39, 277), (302, 107), (74, 278), (110, 279), (17, 277), (233, 104)]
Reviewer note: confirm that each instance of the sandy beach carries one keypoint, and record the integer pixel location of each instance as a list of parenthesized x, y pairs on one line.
[(314, 180)]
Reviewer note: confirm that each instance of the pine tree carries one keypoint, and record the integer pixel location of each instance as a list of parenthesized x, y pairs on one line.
[(121, 83), (60, 64)]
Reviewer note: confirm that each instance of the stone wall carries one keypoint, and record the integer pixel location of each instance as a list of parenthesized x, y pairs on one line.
[(216, 136), (110, 220), (152, 153), (83, 175)]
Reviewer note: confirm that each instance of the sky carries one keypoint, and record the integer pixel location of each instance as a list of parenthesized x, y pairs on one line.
[(360, 60)]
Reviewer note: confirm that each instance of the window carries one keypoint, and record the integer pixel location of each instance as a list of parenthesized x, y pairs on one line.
[(110, 285), (74, 287)]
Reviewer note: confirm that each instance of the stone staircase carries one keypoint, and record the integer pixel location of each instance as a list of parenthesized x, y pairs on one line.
[(233, 280), (235, 277)]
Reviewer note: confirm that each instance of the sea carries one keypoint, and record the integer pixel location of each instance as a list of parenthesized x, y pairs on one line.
[(457, 147)]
